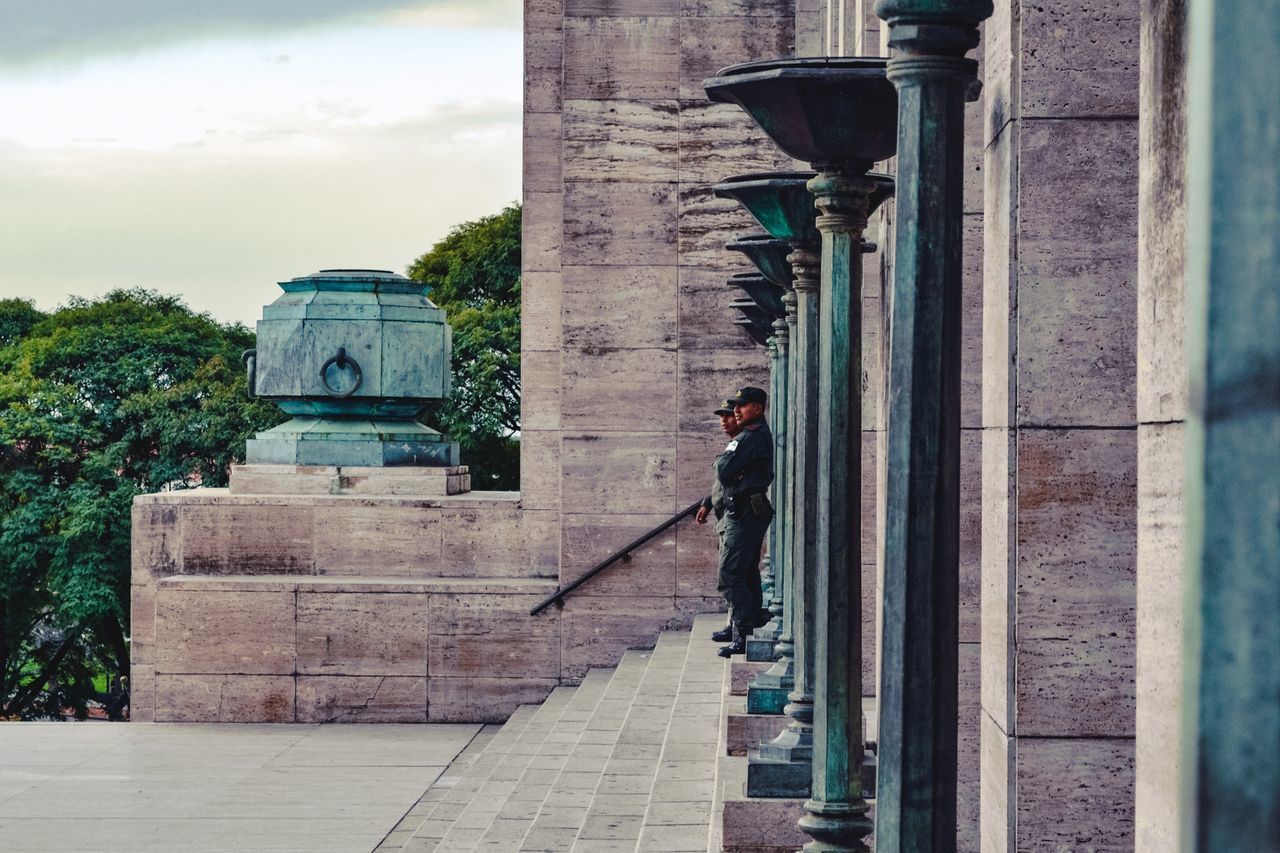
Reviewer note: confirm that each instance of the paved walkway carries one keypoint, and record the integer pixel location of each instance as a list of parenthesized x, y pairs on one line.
[(174, 788)]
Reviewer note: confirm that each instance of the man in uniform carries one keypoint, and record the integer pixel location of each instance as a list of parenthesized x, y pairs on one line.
[(715, 504), (745, 470)]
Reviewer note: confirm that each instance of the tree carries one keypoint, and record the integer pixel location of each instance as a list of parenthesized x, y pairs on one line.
[(474, 275), (100, 401)]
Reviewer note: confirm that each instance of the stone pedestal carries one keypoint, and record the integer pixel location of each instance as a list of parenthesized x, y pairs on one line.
[(343, 600), (362, 442), (335, 480)]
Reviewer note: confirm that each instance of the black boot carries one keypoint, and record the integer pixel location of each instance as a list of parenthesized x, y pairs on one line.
[(739, 644), (724, 635)]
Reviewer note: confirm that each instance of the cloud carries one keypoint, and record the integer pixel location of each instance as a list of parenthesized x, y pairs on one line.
[(221, 230), (72, 29)]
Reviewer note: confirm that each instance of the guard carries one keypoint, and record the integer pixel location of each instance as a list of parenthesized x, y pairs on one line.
[(745, 470), (715, 503)]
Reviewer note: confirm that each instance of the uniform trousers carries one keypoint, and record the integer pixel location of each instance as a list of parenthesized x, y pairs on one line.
[(739, 575)]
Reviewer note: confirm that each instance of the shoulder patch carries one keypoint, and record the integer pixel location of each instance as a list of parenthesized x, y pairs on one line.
[(733, 445)]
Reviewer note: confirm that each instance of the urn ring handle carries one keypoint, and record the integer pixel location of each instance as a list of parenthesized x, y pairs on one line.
[(342, 361)]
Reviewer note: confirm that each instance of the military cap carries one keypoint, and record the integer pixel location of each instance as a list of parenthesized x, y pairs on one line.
[(748, 394), (726, 409)]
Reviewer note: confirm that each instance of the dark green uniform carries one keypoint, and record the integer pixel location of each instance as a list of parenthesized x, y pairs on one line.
[(745, 470), (715, 503)]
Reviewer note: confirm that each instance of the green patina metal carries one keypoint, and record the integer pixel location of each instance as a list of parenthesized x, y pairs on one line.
[(1231, 707), (840, 116), (781, 768), (815, 108), (752, 328), (783, 206), (768, 254), (763, 647), (916, 786), (767, 694), (354, 356), (762, 292), (779, 201)]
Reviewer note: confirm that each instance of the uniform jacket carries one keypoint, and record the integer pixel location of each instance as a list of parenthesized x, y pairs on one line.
[(746, 466), (715, 503)]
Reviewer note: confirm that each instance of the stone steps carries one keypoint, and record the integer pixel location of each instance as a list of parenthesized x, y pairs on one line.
[(626, 761)]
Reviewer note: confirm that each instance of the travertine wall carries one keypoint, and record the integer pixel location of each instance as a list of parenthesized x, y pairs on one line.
[(628, 341), (1162, 408), (317, 608), (1059, 426)]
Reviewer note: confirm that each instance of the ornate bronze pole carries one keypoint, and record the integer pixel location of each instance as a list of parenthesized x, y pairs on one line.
[(781, 423), (916, 785), (769, 255), (836, 815), (782, 767), (1231, 671), (779, 679)]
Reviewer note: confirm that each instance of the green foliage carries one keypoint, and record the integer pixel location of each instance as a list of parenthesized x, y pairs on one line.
[(474, 275), (100, 401)]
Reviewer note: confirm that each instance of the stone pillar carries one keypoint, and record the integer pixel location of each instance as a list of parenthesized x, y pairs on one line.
[(1231, 670), (919, 685), (1162, 404), (623, 271), (781, 767), (1059, 426)]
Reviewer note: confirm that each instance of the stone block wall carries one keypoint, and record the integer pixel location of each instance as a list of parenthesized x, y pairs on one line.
[(318, 608), (628, 341), (1059, 418), (1162, 411)]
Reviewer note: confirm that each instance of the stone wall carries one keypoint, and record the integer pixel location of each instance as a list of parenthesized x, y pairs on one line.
[(1059, 426), (304, 606), (317, 608), (1162, 411), (628, 342)]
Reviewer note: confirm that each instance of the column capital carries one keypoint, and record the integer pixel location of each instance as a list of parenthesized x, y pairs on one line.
[(781, 332), (844, 199), (804, 263), (938, 27)]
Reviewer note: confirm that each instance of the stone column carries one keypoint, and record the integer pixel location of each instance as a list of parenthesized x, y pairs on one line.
[(1059, 426), (916, 786), (781, 767), (1231, 668), (1162, 405), (767, 694), (836, 813)]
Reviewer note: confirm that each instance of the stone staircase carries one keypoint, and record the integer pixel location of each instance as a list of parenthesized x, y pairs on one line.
[(626, 761)]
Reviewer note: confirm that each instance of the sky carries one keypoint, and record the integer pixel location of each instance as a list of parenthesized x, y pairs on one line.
[(211, 148)]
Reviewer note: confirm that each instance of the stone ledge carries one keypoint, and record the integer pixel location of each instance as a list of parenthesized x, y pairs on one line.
[(762, 826), (745, 731), (307, 583), (224, 497), (742, 673), (398, 481)]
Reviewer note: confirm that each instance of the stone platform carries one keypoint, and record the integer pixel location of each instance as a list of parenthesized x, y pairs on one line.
[(134, 788), (633, 759), (328, 594)]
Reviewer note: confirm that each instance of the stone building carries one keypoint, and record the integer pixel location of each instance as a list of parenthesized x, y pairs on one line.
[(1074, 404)]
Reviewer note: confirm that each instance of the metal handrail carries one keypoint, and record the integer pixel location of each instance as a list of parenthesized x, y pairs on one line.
[(558, 597)]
